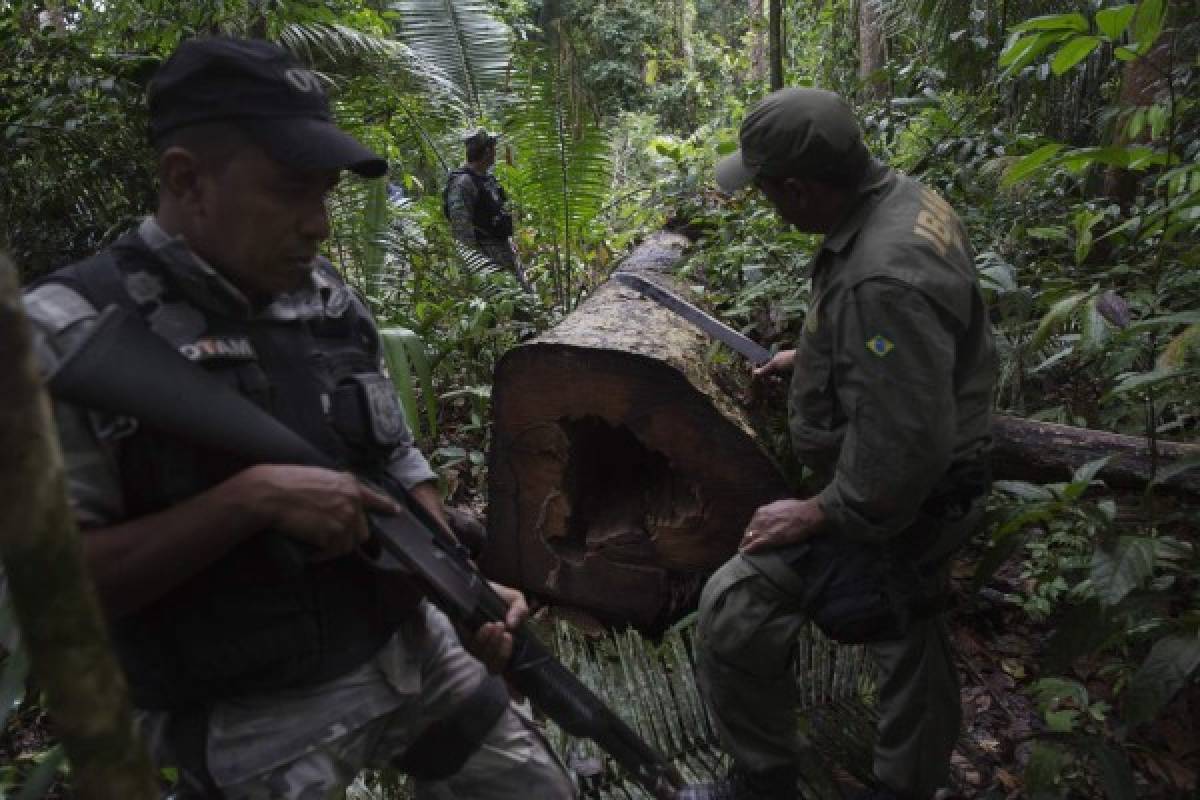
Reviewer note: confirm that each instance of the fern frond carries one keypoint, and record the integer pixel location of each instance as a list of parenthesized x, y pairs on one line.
[(462, 38)]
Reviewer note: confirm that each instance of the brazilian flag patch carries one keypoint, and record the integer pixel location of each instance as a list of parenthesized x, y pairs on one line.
[(880, 345)]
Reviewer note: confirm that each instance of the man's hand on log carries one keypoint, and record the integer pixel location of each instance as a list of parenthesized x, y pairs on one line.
[(492, 644), (782, 523)]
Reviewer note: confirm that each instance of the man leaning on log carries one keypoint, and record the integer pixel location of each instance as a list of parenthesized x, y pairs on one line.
[(890, 405)]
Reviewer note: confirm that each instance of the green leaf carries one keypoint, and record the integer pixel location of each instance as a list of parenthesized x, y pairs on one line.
[(1087, 473), (1059, 315), (1147, 23), (1117, 572), (1054, 22), (404, 353), (1169, 320), (1073, 52), (1172, 662), (1112, 22), (1023, 51), (1030, 163), (38, 782), (1062, 721)]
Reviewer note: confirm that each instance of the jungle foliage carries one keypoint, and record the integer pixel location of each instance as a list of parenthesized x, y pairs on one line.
[(1065, 132)]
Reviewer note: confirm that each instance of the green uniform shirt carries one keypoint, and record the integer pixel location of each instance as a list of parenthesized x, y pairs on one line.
[(894, 370)]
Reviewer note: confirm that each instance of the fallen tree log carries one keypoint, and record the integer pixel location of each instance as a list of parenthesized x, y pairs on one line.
[(624, 467), (1042, 451), (621, 471)]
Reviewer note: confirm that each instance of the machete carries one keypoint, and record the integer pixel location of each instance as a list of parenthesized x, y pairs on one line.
[(755, 352)]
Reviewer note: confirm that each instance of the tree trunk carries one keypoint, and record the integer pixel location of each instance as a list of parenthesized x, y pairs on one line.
[(775, 27), (872, 51), (1141, 80), (758, 44), (60, 619), (622, 470)]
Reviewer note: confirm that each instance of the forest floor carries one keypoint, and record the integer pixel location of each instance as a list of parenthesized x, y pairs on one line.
[(999, 649)]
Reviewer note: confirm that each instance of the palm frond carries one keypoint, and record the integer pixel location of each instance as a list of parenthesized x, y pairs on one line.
[(462, 38), (565, 166), (340, 46)]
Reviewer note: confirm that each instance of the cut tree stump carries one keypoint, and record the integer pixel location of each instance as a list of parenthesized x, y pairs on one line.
[(623, 469)]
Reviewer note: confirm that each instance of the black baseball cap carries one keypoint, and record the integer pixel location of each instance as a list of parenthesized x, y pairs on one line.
[(796, 132), (260, 88)]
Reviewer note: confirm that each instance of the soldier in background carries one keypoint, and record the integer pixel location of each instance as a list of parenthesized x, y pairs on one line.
[(478, 209)]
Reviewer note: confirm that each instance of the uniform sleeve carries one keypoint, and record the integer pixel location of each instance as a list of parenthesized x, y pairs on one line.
[(893, 369), (460, 208), (60, 317), (407, 464)]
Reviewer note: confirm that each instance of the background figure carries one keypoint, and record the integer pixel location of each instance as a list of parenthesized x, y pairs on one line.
[(478, 209)]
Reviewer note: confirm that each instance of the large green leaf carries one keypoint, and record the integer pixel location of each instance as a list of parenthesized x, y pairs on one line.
[(463, 39), (1074, 22), (407, 365), (1073, 52), (1031, 163), (1172, 662), (1058, 316), (1118, 571), (1112, 22)]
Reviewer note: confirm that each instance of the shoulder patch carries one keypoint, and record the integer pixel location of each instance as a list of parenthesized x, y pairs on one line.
[(57, 307), (936, 223), (880, 345)]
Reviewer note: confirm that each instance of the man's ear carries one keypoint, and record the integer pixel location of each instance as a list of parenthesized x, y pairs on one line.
[(180, 175)]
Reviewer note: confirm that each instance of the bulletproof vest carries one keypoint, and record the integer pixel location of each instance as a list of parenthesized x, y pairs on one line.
[(259, 617), (492, 218)]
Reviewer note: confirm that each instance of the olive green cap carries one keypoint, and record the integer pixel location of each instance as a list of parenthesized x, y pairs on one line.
[(800, 133)]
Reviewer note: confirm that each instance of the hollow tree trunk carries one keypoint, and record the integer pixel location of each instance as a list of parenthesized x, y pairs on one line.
[(59, 616), (621, 471)]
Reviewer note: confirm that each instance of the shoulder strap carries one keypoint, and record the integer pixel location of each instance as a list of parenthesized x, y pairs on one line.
[(99, 279)]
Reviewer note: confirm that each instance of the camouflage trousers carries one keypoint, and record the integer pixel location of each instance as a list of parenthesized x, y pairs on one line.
[(501, 252), (311, 743), (750, 618)]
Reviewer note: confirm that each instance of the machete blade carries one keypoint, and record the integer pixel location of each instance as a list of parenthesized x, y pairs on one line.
[(709, 325)]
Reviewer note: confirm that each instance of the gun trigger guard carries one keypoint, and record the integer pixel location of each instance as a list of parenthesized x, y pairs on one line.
[(378, 558)]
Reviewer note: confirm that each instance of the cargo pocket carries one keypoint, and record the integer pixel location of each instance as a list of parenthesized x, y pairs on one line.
[(745, 623)]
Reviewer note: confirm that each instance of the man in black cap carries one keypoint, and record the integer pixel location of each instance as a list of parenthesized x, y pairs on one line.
[(890, 402), (256, 673), (477, 206)]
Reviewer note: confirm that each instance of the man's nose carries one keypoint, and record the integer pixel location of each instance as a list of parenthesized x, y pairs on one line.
[(314, 224)]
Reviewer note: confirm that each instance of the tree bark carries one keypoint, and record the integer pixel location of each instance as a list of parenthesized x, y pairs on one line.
[(775, 29), (622, 468), (872, 51), (758, 43), (59, 615), (1042, 451)]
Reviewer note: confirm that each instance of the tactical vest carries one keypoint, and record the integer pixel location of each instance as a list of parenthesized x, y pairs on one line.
[(492, 217), (258, 618)]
